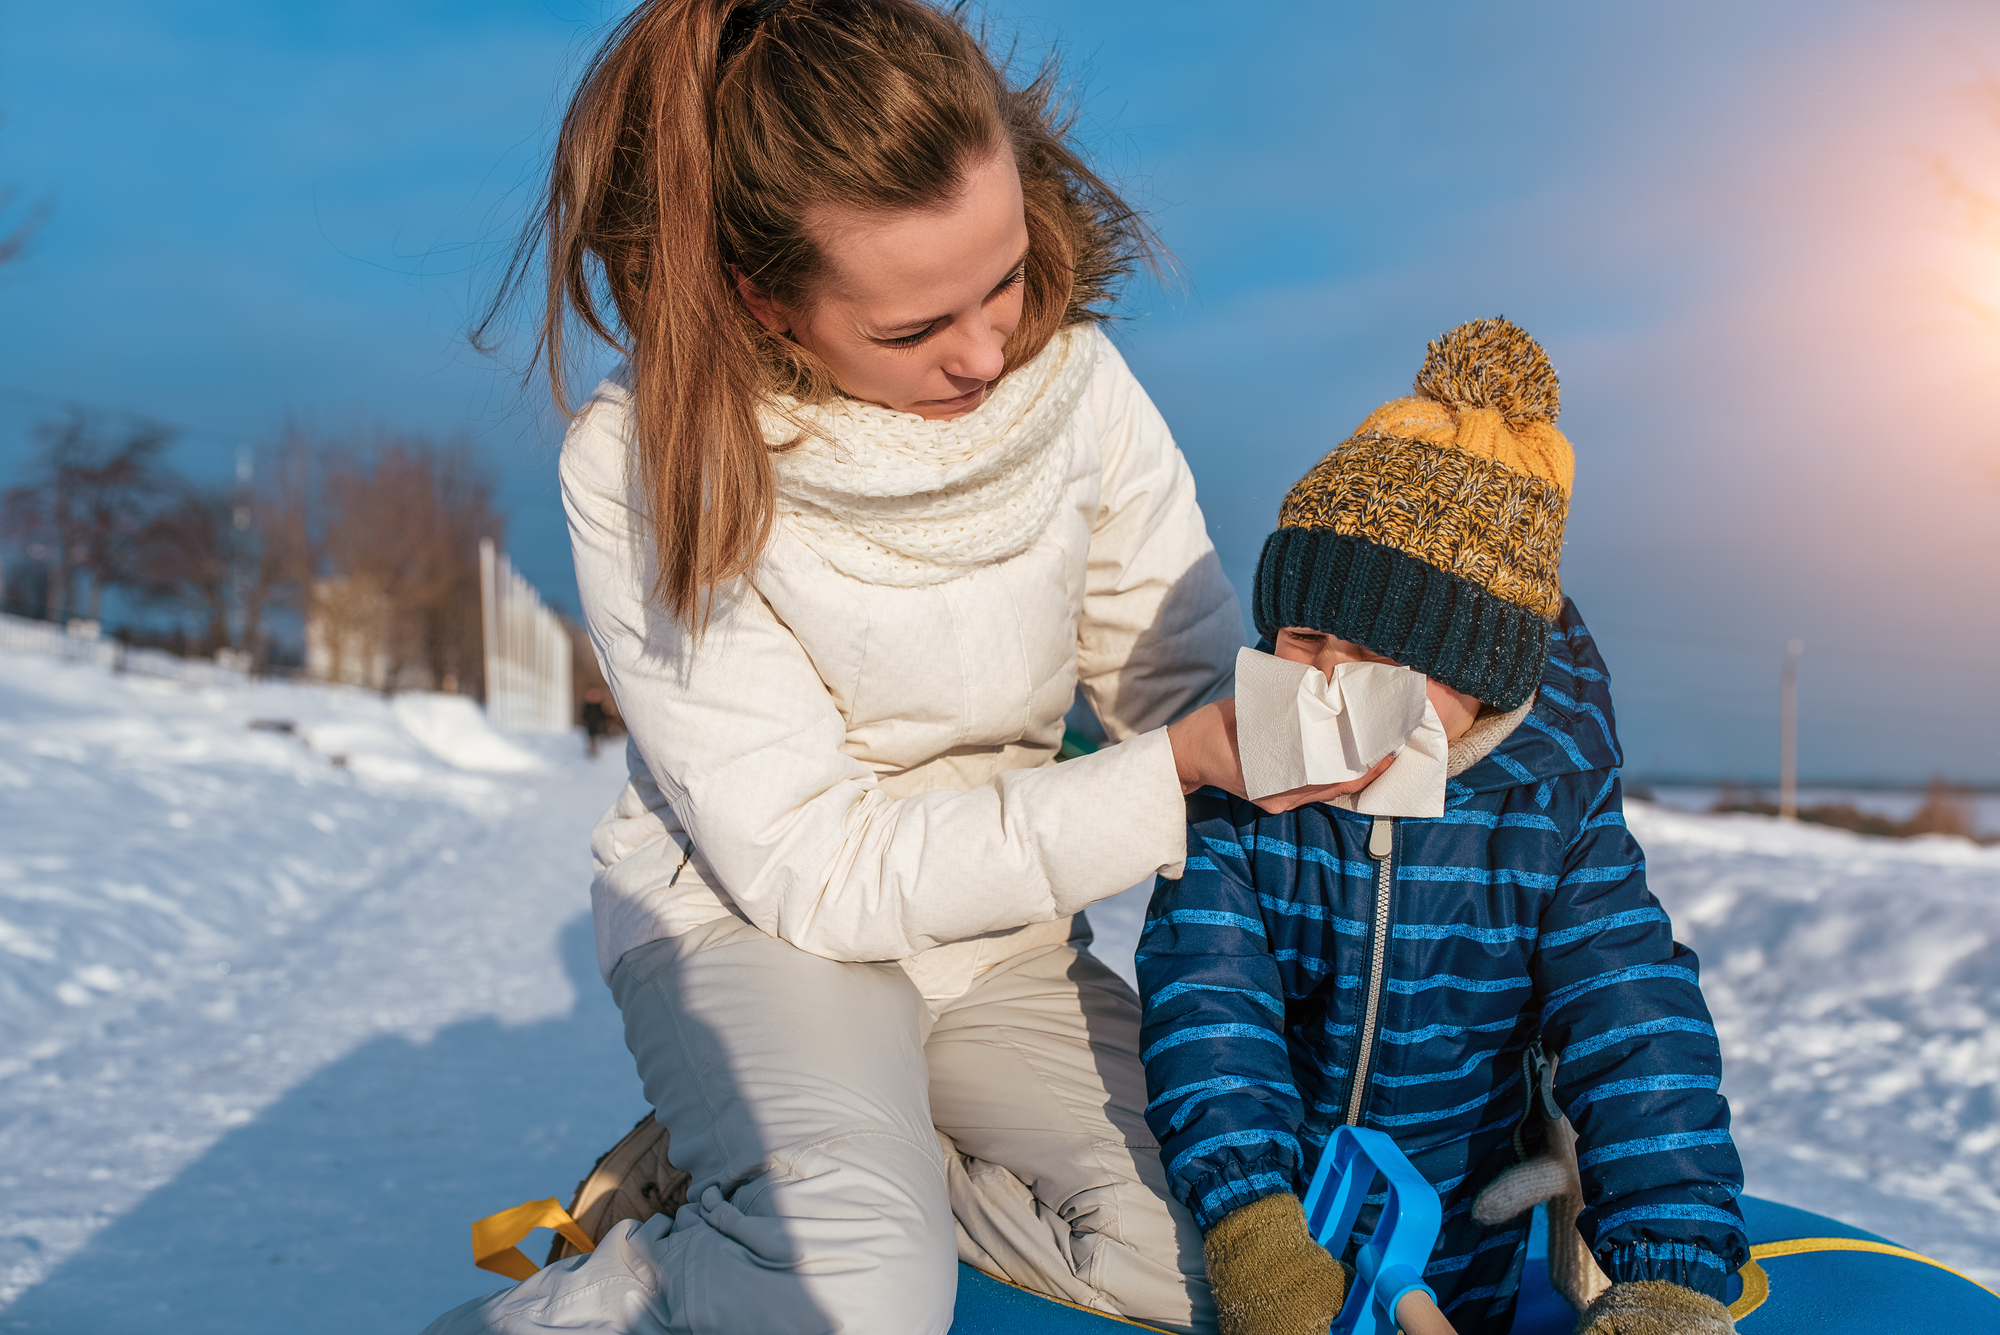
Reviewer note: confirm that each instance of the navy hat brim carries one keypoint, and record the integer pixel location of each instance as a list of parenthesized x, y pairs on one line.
[(1401, 607)]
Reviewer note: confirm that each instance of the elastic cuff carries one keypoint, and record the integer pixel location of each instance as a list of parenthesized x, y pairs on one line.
[(1163, 773), (1218, 1195), (1681, 1263)]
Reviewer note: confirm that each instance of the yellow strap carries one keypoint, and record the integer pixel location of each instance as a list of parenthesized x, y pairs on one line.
[(493, 1237), (1757, 1285)]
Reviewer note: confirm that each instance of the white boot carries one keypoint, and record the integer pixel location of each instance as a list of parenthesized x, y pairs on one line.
[(631, 1180)]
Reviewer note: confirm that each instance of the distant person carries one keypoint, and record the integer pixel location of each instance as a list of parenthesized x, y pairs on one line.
[(1469, 912), (596, 721), (871, 499)]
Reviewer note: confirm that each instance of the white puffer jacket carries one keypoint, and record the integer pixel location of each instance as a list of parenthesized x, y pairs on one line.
[(859, 750)]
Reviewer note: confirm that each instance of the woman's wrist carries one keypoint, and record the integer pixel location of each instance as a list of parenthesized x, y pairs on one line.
[(1205, 748), (1206, 755)]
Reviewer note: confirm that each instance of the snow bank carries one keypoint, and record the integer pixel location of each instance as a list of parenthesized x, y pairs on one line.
[(1856, 986), (454, 729)]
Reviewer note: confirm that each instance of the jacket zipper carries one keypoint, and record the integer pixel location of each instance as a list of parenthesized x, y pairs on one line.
[(1381, 843)]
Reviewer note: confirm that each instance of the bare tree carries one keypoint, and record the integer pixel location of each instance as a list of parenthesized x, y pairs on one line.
[(287, 523), (90, 493), (401, 552), (376, 543), (190, 557), (234, 554), (14, 238)]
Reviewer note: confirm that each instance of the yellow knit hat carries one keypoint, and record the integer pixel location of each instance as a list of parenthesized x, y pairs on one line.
[(1433, 535)]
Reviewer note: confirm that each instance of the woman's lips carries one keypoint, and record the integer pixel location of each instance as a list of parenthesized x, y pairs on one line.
[(965, 400)]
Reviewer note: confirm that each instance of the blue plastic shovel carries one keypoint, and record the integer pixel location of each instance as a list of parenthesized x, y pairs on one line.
[(1390, 1265)]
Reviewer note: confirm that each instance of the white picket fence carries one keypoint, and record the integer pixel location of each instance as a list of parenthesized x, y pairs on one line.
[(80, 642), (19, 635), (527, 651)]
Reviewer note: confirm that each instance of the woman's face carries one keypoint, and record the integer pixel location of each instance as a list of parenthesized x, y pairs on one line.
[(915, 307)]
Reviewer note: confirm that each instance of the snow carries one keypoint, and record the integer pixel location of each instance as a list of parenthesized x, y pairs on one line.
[(281, 1012), (1856, 985), (275, 1030), (454, 729)]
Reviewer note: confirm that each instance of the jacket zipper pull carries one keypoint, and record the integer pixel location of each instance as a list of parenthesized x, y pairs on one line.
[(1381, 838)]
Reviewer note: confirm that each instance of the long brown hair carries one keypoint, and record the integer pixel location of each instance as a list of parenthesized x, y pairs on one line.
[(681, 163)]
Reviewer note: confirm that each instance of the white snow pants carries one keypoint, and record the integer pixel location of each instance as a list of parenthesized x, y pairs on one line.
[(849, 1143)]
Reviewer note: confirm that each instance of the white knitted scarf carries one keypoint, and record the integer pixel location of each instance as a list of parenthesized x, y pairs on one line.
[(890, 498)]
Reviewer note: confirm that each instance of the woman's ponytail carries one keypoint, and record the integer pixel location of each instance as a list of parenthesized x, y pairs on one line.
[(681, 165), (630, 217)]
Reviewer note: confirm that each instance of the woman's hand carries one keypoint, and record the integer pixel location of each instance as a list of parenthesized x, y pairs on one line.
[(1206, 755)]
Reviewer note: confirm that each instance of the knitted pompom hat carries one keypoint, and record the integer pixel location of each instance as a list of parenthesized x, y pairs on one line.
[(1433, 534)]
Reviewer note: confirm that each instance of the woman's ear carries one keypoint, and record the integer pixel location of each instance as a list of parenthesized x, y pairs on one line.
[(775, 318)]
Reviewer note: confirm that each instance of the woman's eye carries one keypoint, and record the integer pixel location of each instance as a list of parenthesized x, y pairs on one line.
[(1012, 281), (909, 340)]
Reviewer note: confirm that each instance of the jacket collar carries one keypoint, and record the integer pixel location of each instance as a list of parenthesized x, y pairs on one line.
[(1487, 731), (1567, 728)]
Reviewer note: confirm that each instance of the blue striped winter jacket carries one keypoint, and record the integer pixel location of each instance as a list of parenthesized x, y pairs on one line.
[(1522, 912)]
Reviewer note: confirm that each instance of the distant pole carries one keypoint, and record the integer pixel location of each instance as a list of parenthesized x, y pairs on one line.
[(240, 555), (1788, 733), (488, 631)]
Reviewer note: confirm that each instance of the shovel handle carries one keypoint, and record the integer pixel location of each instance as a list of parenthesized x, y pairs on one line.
[(1416, 1314)]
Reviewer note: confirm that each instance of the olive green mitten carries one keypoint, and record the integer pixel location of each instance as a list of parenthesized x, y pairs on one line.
[(1654, 1307), (1269, 1276)]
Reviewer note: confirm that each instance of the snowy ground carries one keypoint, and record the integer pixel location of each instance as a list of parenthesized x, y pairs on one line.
[(1856, 985), (274, 1029)]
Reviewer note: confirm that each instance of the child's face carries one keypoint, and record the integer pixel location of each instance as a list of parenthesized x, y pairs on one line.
[(1455, 709)]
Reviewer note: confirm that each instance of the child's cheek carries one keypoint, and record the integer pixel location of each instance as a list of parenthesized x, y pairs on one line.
[(1455, 709)]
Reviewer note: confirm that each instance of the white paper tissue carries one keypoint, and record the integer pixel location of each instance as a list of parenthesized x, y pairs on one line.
[(1294, 728)]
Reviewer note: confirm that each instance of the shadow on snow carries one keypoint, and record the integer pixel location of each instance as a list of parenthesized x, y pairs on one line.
[(346, 1204)]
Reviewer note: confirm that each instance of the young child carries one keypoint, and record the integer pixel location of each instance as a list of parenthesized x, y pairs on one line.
[(1403, 962)]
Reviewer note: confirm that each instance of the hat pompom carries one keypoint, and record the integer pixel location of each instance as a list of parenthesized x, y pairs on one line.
[(1491, 364)]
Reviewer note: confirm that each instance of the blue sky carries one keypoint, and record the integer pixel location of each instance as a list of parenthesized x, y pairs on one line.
[(1726, 222)]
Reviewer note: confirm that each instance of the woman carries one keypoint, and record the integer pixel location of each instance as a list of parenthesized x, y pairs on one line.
[(871, 499)]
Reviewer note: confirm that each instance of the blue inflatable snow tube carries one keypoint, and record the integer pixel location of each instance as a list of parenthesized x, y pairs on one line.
[(1808, 1275)]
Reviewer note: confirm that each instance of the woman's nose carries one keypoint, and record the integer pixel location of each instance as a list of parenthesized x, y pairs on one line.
[(979, 353)]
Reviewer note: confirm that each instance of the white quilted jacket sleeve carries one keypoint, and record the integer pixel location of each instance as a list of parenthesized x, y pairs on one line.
[(1161, 624), (741, 736)]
